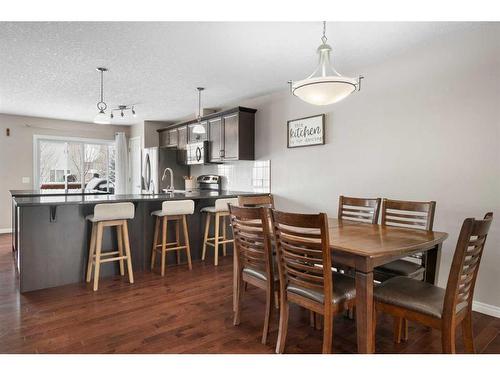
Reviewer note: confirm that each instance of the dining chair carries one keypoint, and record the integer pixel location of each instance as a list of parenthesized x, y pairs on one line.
[(306, 277), (359, 209), (265, 200), (438, 308), (364, 210), (253, 252), (406, 214)]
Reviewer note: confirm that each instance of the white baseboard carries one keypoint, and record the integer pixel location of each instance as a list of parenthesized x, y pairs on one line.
[(486, 309), (5, 230)]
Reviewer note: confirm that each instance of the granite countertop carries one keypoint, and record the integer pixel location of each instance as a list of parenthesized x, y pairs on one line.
[(71, 199)]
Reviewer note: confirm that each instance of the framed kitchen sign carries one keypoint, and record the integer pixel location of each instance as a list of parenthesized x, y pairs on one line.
[(307, 131)]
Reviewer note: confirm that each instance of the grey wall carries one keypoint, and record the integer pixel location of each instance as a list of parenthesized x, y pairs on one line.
[(424, 127), (16, 151)]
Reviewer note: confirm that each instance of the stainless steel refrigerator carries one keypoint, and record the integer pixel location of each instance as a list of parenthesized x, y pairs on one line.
[(154, 162)]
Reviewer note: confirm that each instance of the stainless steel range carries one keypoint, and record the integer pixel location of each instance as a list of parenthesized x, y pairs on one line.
[(209, 182)]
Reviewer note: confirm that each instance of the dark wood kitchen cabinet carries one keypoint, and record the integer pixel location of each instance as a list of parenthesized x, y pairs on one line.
[(182, 137), (232, 135), (168, 138), (215, 139)]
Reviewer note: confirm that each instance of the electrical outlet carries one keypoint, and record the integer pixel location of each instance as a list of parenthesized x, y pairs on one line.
[(26, 180)]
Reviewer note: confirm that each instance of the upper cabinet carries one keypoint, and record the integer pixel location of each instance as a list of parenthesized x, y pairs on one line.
[(215, 139), (182, 137), (231, 135), (168, 138)]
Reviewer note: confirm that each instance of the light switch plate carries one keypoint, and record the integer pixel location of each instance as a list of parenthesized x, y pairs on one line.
[(26, 180)]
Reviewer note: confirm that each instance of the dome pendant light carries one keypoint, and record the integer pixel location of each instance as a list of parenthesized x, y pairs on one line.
[(101, 117), (198, 128), (325, 85)]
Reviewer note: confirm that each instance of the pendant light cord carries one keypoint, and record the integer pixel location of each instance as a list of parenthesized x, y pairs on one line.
[(200, 89), (324, 38), (101, 106), (102, 85)]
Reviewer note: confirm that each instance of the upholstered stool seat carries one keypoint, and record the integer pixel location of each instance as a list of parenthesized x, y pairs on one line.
[(110, 215), (172, 211), (220, 211), (171, 208)]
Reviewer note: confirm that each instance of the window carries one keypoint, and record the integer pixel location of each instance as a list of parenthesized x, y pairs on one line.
[(77, 163)]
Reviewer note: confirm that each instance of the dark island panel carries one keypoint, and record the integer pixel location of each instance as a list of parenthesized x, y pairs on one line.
[(53, 236)]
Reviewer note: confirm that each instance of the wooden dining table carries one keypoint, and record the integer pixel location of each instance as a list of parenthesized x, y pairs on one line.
[(363, 247)]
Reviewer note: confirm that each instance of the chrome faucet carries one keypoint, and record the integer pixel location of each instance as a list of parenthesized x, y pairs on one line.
[(171, 188)]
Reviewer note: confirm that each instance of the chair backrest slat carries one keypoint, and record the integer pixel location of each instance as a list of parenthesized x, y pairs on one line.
[(303, 252), (465, 265), (359, 209), (407, 214), (252, 243), (266, 200)]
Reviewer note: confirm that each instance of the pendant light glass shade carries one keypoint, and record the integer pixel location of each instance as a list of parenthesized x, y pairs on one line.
[(102, 118), (325, 85), (199, 129)]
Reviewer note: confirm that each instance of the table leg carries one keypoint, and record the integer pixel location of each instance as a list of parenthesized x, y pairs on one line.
[(364, 311), (432, 261)]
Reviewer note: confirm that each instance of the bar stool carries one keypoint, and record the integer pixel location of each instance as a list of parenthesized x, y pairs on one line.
[(171, 211), (110, 215), (220, 210)]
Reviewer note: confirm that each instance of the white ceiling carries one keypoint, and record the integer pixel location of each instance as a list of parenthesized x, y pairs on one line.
[(47, 69)]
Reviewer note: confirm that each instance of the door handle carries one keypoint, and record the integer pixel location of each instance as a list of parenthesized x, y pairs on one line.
[(198, 154)]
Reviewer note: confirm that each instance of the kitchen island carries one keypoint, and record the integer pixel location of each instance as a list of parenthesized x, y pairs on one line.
[(52, 236)]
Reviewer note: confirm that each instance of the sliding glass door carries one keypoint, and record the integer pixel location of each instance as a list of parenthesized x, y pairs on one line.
[(73, 164)]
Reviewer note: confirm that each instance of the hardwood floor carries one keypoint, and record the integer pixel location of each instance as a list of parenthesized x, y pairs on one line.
[(184, 312)]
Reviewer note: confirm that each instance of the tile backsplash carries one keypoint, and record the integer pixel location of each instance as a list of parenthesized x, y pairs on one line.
[(240, 175)]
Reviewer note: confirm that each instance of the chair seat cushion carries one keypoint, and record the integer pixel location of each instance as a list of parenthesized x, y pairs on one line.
[(344, 289), (413, 295), (260, 274), (402, 267)]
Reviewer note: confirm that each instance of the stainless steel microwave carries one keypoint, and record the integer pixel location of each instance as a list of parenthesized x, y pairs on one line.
[(197, 153)]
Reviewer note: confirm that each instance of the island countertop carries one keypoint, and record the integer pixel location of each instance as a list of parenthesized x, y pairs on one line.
[(84, 199), (53, 192)]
